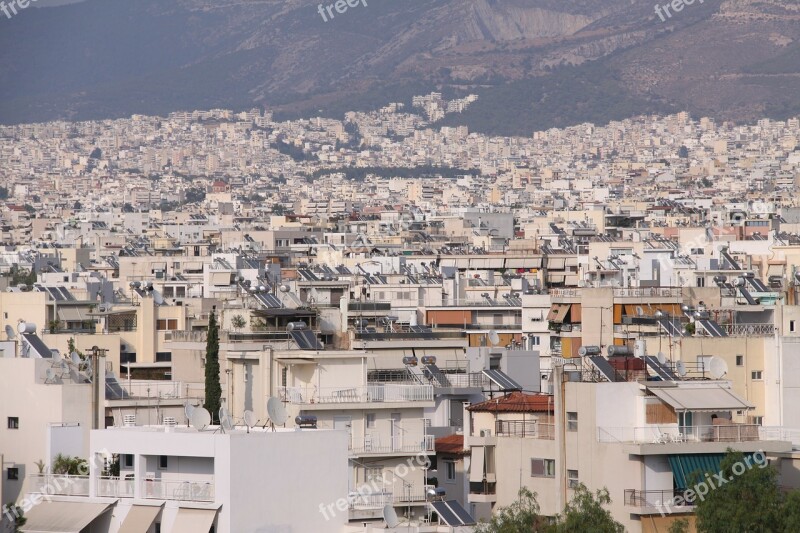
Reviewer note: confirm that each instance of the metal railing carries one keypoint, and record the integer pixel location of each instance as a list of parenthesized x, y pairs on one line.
[(647, 292), (746, 330), (192, 491), (58, 484), (669, 434), (459, 380), (525, 428), (139, 388), (378, 500), (404, 444), (388, 392), (111, 487), (652, 498)]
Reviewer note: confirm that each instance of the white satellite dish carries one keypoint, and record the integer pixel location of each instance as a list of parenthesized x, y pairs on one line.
[(201, 419), (681, 368), (249, 419), (494, 338), (88, 372), (276, 411), (50, 373), (284, 288), (75, 358), (225, 419), (717, 367), (639, 310), (64, 365), (10, 333), (390, 516), (188, 409), (157, 298), (661, 358)]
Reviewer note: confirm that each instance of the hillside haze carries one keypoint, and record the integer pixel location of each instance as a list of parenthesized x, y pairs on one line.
[(535, 63)]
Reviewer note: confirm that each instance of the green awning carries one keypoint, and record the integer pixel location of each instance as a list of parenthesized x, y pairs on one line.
[(690, 469)]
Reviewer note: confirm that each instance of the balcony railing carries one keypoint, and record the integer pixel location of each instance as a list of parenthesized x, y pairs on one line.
[(748, 330), (378, 500), (647, 292), (524, 428), (459, 380), (658, 499), (58, 484), (192, 491), (389, 392), (406, 444), (109, 487), (668, 434)]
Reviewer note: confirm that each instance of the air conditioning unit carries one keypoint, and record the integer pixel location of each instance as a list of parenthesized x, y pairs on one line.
[(486, 433)]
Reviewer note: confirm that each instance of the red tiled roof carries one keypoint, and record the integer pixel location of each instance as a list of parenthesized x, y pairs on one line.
[(451, 444), (516, 402)]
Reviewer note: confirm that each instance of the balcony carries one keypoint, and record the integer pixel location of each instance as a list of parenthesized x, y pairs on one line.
[(58, 484), (110, 487), (406, 444), (675, 434), (379, 500), (456, 380), (188, 491), (656, 501), (529, 429), (648, 292), (375, 393)]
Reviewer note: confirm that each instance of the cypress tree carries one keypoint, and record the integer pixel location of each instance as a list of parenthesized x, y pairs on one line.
[(213, 387)]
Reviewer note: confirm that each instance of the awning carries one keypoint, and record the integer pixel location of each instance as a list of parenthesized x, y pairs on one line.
[(71, 314), (193, 520), (524, 262), (61, 517), (690, 469), (476, 464), (296, 361), (139, 518), (711, 398), (557, 313), (556, 263)]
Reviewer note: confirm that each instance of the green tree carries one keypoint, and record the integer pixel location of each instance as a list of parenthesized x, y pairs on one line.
[(791, 512), (522, 516), (213, 387), (747, 502), (238, 322), (586, 513), (679, 526), (67, 465)]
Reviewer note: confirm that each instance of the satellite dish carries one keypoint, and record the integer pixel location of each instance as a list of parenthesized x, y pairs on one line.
[(75, 358), (188, 409), (494, 338), (249, 419), (10, 333), (681, 368), (639, 310), (225, 419), (276, 411), (201, 419), (284, 288), (661, 358), (64, 365), (88, 372), (50, 373), (390, 516), (717, 367), (157, 298)]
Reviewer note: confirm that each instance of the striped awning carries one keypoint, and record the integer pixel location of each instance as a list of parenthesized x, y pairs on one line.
[(691, 468)]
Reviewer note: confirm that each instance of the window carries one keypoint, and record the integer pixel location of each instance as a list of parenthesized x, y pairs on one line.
[(701, 282), (739, 360), (572, 421), (756, 375), (172, 324), (535, 340), (13, 422), (163, 461), (370, 420), (373, 473), (543, 468), (791, 326), (127, 460), (758, 420), (13, 474), (450, 471), (572, 479), (161, 324)]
